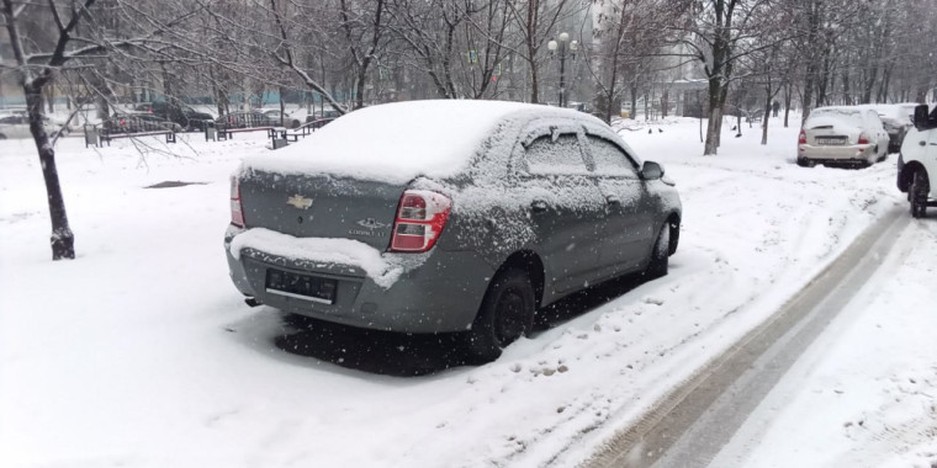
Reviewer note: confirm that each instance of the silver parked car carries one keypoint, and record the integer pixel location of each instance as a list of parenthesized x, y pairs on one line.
[(896, 118), (16, 125), (447, 216), (842, 135)]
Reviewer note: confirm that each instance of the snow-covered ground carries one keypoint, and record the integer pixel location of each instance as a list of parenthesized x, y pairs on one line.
[(864, 393), (141, 353)]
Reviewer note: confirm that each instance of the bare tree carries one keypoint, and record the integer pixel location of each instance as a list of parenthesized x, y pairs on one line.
[(285, 49), (719, 33), (34, 77), (85, 41), (430, 30), (363, 29), (536, 20), (630, 39)]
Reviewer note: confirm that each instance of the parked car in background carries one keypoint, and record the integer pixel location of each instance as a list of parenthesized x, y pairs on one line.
[(327, 114), (245, 119), (282, 119), (15, 124), (187, 118), (842, 135), (138, 123), (896, 118), (447, 216), (917, 163)]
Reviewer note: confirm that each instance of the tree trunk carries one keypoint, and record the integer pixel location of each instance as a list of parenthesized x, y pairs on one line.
[(282, 107), (62, 239), (534, 85), (712, 132), (532, 20), (807, 96), (716, 106), (634, 101), (766, 118)]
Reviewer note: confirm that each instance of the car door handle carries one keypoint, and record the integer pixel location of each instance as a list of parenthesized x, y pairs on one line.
[(613, 200), (539, 206)]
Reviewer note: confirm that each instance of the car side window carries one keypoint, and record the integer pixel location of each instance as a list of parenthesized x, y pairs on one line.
[(548, 156), (610, 160)]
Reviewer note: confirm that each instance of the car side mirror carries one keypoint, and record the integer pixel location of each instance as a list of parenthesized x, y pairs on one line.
[(922, 118), (651, 171)]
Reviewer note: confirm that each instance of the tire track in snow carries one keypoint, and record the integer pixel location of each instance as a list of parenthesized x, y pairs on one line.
[(672, 422)]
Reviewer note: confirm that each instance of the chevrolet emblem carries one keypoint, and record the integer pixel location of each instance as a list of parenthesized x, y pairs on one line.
[(299, 201)]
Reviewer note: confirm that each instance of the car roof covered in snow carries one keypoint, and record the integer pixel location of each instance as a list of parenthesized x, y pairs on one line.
[(902, 112), (398, 142)]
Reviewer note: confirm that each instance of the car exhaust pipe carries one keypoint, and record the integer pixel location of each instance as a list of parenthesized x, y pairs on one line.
[(253, 302)]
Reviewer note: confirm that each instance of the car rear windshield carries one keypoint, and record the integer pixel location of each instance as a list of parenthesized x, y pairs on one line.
[(852, 117)]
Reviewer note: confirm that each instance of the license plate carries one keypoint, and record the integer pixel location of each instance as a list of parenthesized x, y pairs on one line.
[(831, 141), (305, 287)]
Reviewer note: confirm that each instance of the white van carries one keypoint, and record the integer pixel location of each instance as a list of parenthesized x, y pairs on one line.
[(917, 163)]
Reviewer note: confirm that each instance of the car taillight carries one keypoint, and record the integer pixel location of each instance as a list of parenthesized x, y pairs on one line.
[(421, 217), (863, 140), (802, 140), (237, 212)]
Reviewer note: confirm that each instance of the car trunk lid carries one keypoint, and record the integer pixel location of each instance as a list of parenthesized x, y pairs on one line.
[(321, 205), (827, 131)]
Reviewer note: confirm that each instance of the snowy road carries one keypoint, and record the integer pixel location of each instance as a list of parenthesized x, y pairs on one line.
[(140, 353), (699, 418), (863, 393)]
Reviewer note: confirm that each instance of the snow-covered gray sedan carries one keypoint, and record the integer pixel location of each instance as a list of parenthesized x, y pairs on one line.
[(447, 216)]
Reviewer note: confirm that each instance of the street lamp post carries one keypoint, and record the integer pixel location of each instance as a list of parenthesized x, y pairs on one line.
[(562, 47)]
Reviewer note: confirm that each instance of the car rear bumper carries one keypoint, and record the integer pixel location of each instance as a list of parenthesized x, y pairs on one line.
[(842, 154), (436, 292)]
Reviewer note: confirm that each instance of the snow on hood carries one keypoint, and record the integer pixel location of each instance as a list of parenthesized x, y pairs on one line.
[(398, 142)]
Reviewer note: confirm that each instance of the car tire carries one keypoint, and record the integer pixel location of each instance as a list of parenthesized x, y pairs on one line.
[(506, 314), (917, 193), (659, 263), (804, 162), (3, 137)]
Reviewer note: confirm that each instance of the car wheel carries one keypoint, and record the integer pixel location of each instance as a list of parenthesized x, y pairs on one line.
[(804, 162), (659, 263), (506, 314), (917, 193), (3, 137)]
